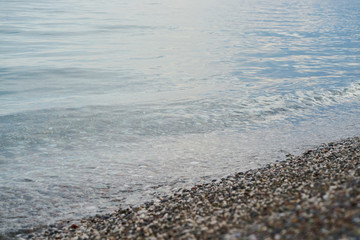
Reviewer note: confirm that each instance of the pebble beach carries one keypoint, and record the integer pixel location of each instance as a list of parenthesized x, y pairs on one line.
[(182, 119), (312, 196)]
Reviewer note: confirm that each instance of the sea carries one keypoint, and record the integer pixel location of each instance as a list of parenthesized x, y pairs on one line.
[(108, 104)]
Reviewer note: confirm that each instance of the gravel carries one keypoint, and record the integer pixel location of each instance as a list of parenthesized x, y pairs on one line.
[(312, 196)]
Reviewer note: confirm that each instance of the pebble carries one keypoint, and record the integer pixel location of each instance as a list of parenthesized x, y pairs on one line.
[(312, 196)]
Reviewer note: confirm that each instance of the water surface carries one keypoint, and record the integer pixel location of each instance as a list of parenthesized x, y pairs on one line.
[(113, 103)]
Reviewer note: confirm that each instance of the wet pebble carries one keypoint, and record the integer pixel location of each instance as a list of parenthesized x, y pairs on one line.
[(312, 196)]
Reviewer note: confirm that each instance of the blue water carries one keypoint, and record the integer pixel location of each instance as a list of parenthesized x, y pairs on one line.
[(105, 104)]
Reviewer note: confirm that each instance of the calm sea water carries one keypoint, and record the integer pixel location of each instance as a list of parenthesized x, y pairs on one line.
[(109, 103)]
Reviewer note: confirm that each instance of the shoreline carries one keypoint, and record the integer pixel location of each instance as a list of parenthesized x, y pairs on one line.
[(313, 195)]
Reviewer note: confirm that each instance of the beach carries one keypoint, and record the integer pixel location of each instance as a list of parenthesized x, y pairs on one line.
[(108, 106), (315, 195)]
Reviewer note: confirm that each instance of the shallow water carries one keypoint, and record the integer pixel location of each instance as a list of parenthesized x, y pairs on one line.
[(108, 104)]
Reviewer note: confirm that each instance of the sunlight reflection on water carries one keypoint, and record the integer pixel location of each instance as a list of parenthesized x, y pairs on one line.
[(108, 103)]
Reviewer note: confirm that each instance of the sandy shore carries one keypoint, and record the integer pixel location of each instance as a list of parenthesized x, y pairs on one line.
[(312, 196)]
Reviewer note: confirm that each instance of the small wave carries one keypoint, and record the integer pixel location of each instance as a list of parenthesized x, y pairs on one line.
[(6, 92), (263, 109), (125, 27), (309, 98)]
